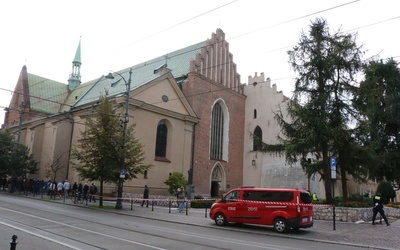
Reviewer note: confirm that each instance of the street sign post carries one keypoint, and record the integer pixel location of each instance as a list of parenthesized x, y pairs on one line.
[(333, 177), (333, 168)]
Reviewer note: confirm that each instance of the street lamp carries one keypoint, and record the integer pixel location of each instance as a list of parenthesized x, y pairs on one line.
[(126, 120)]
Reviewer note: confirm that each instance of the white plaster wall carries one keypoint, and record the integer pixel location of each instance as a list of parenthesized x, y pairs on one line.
[(270, 170)]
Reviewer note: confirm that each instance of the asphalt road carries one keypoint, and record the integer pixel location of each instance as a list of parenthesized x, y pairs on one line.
[(51, 225)]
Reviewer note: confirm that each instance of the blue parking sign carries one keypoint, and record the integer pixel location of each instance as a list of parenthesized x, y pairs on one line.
[(333, 162), (333, 168), (122, 173)]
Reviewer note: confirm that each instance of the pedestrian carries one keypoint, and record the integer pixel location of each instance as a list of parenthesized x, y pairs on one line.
[(74, 188), (180, 196), (315, 197), (93, 192), (80, 188), (145, 196), (60, 187), (52, 189), (67, 188), (85, 191), (378, 208)]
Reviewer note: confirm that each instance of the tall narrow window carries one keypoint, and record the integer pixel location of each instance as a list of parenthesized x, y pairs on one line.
[(217, 132), (161, 141), (257, 139), (255, 113)]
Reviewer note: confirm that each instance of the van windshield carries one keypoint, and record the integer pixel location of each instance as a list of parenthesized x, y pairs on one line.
[(305, 197), (234, 195)]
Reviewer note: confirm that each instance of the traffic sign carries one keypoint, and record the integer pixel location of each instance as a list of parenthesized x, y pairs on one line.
[(122, 174), (333, 168)]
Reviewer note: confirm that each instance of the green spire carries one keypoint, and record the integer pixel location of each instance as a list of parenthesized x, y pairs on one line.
[(77, 58), (75, 76)]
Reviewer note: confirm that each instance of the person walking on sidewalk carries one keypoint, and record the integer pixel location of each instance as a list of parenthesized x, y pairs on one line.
[(180, 196), (85, 191), (93, 193), (378, 208), (145, 196)]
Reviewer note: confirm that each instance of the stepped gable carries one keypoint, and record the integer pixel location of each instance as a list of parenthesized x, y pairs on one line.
[(216, 63)]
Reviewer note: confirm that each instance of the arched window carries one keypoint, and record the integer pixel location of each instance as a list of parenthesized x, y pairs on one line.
[(217, 132), (257, 139), (161, 141)]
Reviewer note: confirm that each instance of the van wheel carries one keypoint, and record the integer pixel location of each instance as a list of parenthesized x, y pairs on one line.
[(220, 219), (280, 225)]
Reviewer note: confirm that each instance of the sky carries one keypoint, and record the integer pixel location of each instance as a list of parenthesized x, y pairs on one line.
[(44, 34)]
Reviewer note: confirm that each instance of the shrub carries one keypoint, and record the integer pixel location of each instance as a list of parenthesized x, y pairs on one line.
[(198, 197), (356, 204), (175, 181), (201, 203)]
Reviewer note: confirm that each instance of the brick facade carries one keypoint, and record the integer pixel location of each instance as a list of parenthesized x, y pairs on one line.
[(213, 79)]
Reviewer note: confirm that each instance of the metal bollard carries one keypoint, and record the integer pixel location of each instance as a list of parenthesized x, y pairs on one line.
[(131, 204), (152, 205), (13, 242), (169, 206), (206, 213)]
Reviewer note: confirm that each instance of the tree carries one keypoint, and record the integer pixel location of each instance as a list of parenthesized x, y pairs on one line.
[(320, 112), (378, 101), (15, 158), (100, 153), (386, 189), (54, 166), (175, 181)]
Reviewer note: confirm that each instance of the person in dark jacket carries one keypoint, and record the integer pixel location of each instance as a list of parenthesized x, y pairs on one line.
[(85, 191), (378, 208), (145, 196)]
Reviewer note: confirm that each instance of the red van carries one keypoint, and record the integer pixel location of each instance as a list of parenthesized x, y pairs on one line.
[(282, 208)]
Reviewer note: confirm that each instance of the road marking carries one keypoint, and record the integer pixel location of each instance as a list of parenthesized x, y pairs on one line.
[(78, 228)]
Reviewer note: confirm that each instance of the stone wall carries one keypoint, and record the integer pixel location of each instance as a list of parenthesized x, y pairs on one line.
[(351, 214), (345, 214)]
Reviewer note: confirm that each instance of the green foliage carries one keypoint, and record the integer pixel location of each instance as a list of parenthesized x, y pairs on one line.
[(356, 204), (101, 154), (353, 201), (175, 181), (318, 117), (15, 158), (201, 203), (386, 189), (377, 100), (198, 197)]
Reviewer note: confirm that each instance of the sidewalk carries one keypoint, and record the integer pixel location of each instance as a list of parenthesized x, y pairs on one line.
[(365, 235), (346, 233)]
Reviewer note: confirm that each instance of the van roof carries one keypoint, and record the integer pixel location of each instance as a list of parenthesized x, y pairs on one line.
[(269, 189)]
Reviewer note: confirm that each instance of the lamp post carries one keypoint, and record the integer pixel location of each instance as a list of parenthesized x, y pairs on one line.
[(125, 121)]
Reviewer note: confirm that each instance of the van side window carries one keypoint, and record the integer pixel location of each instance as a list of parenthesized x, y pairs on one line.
[(268, 196), (305, 197), (233, 195)]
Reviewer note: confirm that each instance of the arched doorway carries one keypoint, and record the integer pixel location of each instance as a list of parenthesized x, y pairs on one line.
[(217, 181)]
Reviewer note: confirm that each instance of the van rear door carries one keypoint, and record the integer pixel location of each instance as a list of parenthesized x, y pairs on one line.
[(306, 208)]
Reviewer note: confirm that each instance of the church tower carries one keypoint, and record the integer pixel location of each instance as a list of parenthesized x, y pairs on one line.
[(75, 76)]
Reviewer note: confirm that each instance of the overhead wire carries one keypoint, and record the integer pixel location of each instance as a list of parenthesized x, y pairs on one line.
[(295, 19), (180, 23), (277, 79)]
